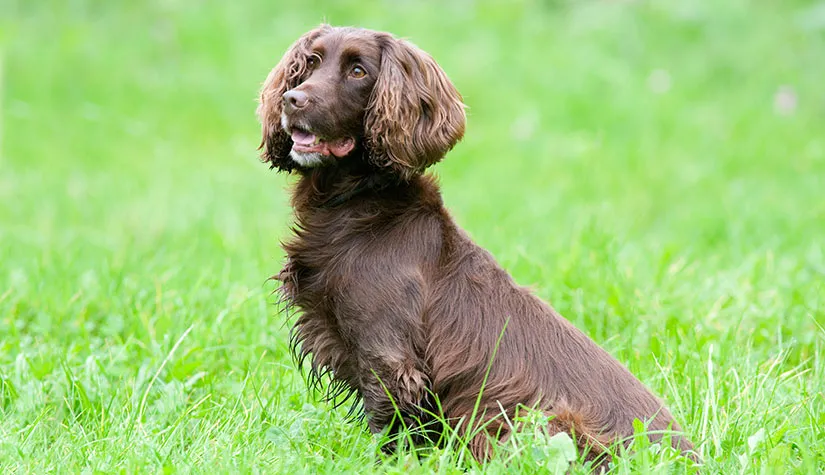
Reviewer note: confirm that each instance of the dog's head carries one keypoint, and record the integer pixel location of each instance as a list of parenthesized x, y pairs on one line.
[(345, 92)]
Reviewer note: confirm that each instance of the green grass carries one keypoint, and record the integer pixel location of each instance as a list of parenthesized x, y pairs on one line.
[(626, 159)]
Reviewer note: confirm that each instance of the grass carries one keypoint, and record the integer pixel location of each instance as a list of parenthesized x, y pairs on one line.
[(654, 169)]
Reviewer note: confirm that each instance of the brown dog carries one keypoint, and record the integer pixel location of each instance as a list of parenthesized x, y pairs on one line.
[(396, 303)]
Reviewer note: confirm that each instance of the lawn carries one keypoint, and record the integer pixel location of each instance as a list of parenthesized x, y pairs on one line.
[(653, 169)]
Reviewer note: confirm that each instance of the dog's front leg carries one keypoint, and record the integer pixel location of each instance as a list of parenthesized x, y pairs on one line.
[(382, 322)]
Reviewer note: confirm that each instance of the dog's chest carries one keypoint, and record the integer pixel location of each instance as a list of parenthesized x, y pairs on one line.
[(307, 283), (313, 282), (318, 265)]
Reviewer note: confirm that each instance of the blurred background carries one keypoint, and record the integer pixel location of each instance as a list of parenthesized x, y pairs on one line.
[(653, 168)]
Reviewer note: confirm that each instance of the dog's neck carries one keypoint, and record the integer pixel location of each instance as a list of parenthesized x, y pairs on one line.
[(335, 185)]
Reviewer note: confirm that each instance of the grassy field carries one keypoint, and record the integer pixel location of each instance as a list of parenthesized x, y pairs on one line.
[(653, 169)]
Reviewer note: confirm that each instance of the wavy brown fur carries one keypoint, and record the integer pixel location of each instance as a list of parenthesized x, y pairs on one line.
[(393, 296)]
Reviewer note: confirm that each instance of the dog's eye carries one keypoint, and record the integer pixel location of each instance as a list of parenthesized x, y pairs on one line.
[(313, 61), (358, 72)]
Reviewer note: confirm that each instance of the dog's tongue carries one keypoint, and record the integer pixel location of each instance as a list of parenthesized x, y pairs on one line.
[(307, 142), (302, 138)]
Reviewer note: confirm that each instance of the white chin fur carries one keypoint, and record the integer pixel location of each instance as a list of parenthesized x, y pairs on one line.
[(309, 160)]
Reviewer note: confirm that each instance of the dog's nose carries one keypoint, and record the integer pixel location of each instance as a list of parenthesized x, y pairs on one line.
[(296, 99)]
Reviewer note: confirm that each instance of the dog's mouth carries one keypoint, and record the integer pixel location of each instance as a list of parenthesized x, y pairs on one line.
[(305, 141)]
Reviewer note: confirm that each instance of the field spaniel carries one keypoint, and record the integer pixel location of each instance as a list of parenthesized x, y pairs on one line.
[(396, 304)]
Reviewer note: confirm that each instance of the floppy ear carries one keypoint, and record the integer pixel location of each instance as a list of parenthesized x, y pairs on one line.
[(415, 114), (275, 143)]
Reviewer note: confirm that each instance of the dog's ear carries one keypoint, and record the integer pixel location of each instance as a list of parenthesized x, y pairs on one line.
[(415, 114), (287, 74)]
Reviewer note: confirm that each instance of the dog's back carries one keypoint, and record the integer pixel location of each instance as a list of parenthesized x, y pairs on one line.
[(483, 327)]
